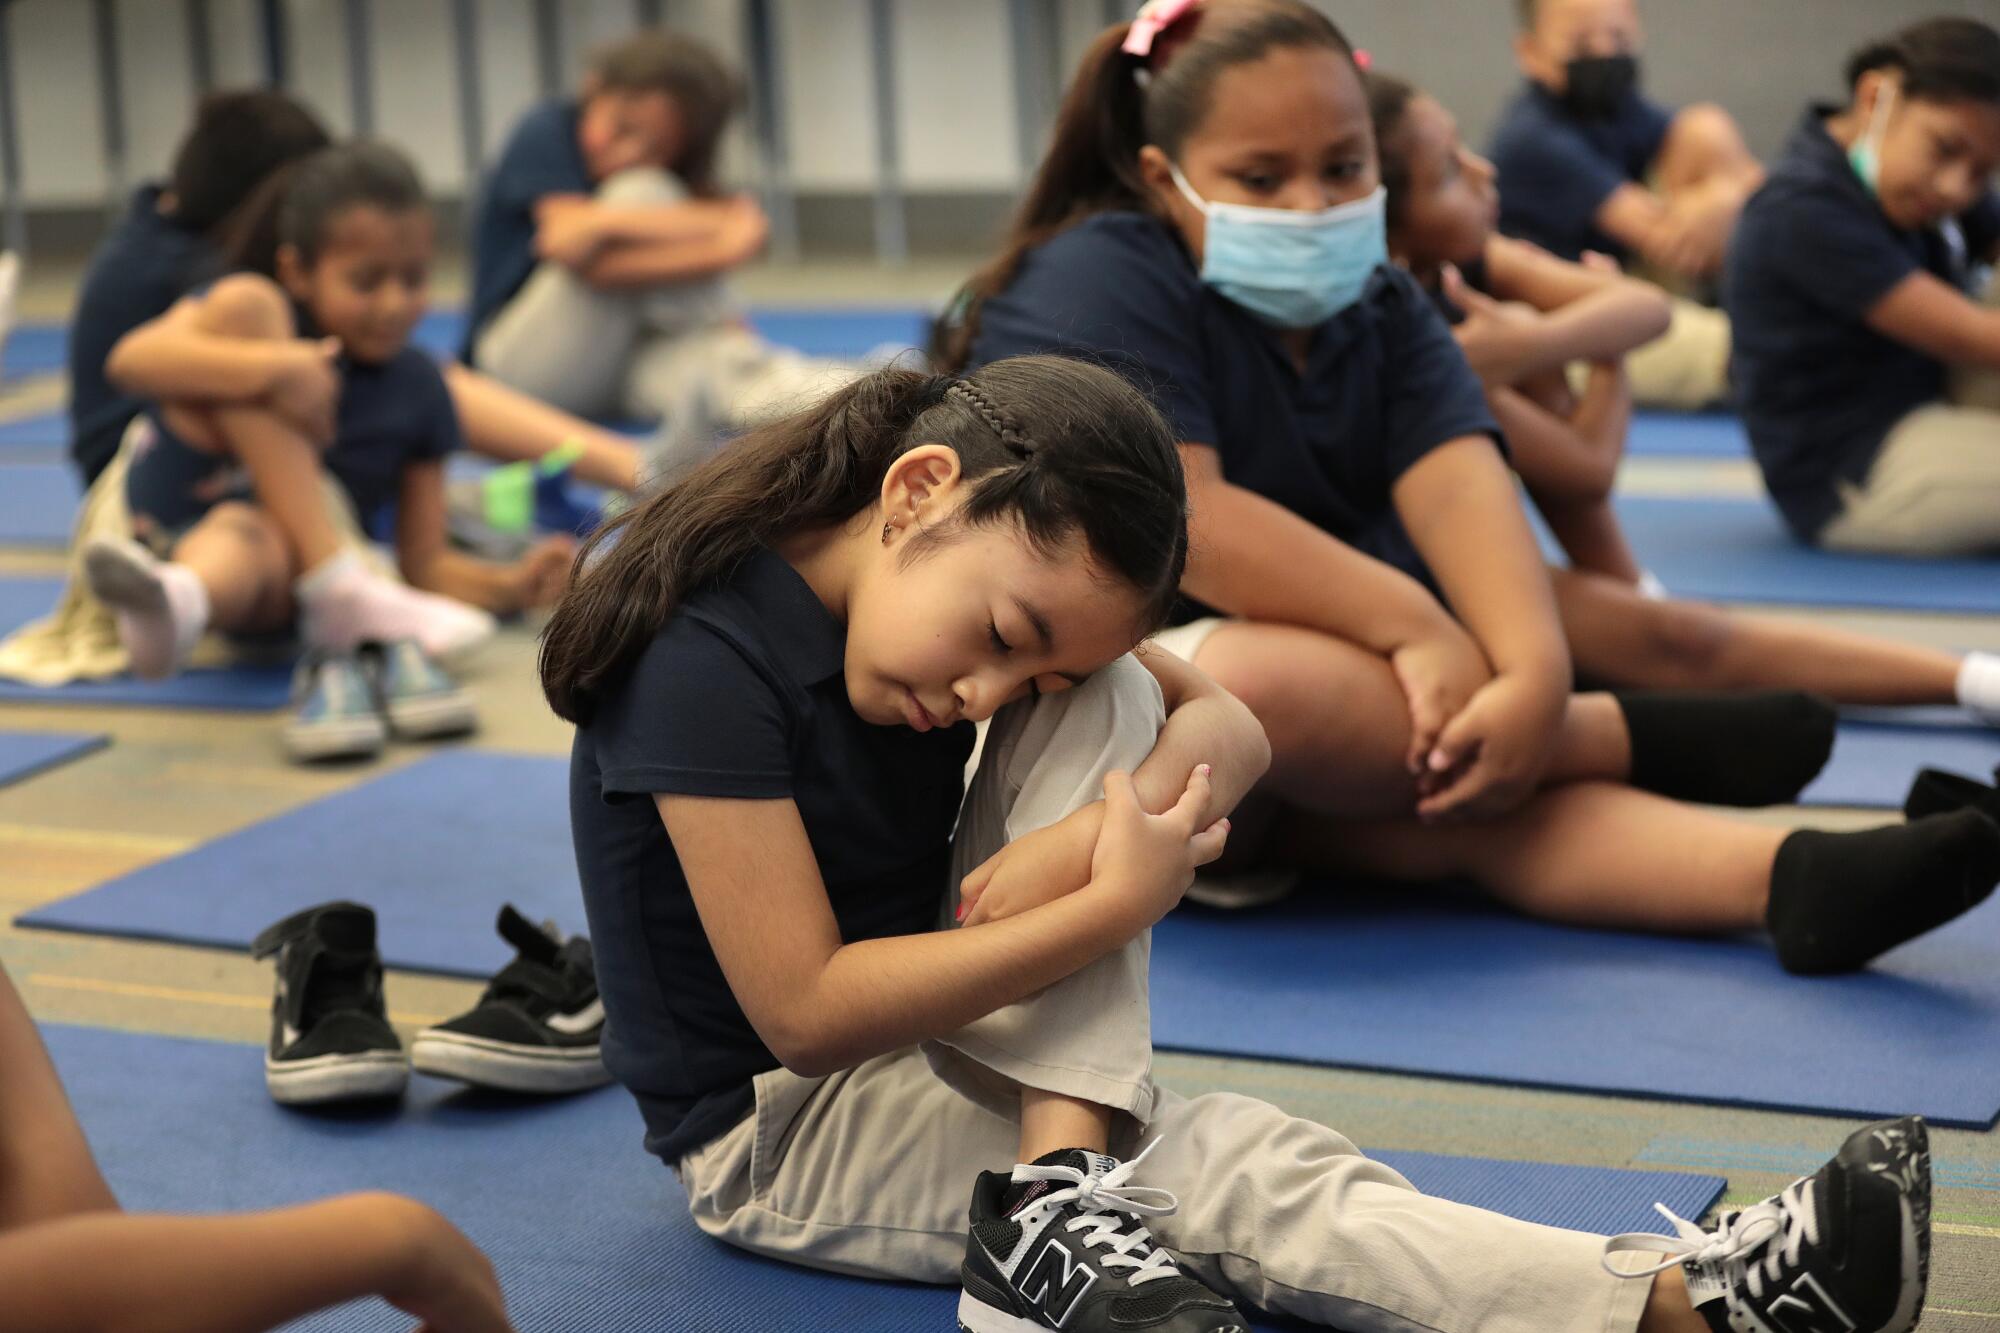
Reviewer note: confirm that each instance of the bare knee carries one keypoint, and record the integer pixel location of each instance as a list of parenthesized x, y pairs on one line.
[(247, 305), (1691, 641)]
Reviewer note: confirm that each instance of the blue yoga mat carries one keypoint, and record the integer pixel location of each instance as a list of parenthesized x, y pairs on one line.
[(1873, 762), (1415, 980), (23, 754), (832, 331), (37, 503), (587, 1232), (1703, 435), (34, 349), (235, 689), (46, 430), (1738, 551)]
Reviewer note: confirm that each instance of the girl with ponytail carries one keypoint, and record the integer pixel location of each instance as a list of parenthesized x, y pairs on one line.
[(776, 666), (1866, 360)]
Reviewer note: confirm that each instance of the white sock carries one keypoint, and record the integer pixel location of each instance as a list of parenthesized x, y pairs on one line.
[(343, 604), (1979, 685), (161, 609), (1651, 588)]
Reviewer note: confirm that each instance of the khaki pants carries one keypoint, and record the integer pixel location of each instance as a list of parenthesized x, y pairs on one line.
[(869, 1171), (1934, 489), (678, 353), (1688, 367)]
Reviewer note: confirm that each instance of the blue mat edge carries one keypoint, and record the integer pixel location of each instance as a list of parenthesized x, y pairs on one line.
[(80, 744)]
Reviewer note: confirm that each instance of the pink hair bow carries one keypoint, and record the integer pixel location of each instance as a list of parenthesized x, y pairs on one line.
[(1154, 18)]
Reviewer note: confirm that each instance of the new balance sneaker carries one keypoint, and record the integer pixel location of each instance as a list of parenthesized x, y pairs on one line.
[(1071, 1251), (538, 1026), (1846, 1250), (334, 714), (416, 699), (330, 1034)]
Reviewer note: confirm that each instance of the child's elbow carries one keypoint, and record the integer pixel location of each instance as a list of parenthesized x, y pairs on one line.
[(805, 1053), (1655, 309)]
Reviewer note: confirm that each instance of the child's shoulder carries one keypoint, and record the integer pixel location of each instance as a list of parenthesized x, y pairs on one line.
[(1124, 250)]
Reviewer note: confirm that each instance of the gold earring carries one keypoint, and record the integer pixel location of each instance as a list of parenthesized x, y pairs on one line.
[(887, 528)]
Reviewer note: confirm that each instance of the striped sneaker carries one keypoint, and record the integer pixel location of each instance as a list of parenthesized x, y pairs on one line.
[(416, 699), (334, 715), (538, 1026)]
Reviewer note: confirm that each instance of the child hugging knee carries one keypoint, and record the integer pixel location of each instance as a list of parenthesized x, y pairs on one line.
[(601, 242), (268, 386)]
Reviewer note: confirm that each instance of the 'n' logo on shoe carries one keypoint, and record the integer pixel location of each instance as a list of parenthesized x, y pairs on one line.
[(1055, 1281), (1807, 1308)]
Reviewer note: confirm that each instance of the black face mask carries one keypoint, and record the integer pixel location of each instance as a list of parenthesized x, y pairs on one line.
[(1599, 85)]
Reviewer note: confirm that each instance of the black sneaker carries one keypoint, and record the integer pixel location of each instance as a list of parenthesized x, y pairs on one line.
[(1847, 1250), (1070, 1252), (538, 1026), (330, 1035)]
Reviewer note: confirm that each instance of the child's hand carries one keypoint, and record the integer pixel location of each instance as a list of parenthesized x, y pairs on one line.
[(1492, 755), (745, 228), (1032, 870), (306, 389), (1598, 261), (444, 1279), (1151, 859), (540, 576), (1497, 337), (1439, 674)]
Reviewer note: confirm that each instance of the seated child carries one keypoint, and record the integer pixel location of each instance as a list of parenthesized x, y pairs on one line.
[(261, 384), (600, 246), (71, 1258), (1588, 163), (1854, 285), (169, 241)]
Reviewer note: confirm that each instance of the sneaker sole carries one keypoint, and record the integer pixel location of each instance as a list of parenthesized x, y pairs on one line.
[(1911, 1168), (976, 1316), (494, 1064), (336, 1078), (432, 719), (357, 738)]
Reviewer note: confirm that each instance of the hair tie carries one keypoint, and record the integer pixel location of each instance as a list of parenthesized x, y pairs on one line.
[(1363, 61), (1001, 424), (1154, 18)]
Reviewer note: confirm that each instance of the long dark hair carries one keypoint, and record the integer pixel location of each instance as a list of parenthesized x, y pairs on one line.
[(240, 137), (1058, 446), (704, 89), (1942, 60), (297, 204), (1389, 101), (1116, 105)]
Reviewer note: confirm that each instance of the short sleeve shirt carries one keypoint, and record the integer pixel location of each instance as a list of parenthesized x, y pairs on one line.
[(1812, 256), (1557, 169), (742, 696), (541, 158), (1384, 381), (147, 263)]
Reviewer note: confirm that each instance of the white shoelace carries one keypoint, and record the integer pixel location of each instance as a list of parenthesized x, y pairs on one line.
[(1737, 1244), (1112, 1209)]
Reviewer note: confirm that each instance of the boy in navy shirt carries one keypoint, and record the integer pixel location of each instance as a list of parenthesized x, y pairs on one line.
[(600, 243), (1588, 163), (1854, 284)]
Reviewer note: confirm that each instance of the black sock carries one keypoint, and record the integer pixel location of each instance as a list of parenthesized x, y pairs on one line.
[(1840, 899), (1747, 749)]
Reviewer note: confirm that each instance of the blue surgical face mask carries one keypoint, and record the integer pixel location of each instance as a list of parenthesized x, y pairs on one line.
[(1866, 155), (1294, 270)]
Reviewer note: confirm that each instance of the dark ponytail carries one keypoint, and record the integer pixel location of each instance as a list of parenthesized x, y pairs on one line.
[(1942, 60), (297, 204), (1389, 101), (1059, 446), (1116, 105)]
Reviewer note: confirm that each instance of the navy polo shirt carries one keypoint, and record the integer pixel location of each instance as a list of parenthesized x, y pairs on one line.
[(741, 695), (1813, 254), (541, 158), (1557, 168), (147, 263), (391, 414), (1384, 381)]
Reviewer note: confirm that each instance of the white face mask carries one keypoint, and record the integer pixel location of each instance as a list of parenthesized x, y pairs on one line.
[(1291, 269), (1866, 155)]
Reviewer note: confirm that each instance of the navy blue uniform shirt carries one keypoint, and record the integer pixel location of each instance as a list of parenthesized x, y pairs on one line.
[(147, 263), (541, 158), (1384, 381), (1813, 254), (741, 695), (1557, 168)]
